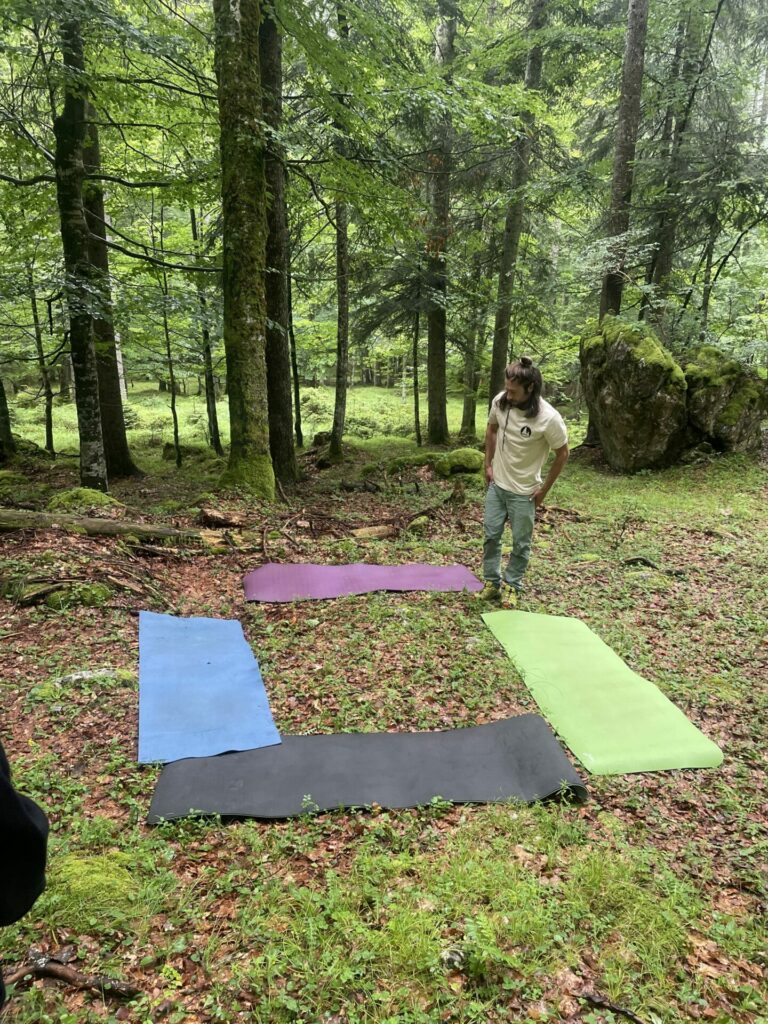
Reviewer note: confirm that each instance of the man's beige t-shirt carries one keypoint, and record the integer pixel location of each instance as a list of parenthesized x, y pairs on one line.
[(522, 445)]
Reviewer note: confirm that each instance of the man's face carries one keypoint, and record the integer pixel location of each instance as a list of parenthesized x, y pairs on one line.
[(517, 393)]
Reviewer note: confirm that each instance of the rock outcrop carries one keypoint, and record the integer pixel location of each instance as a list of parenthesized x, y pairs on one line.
[(636, 394), (726, 403)]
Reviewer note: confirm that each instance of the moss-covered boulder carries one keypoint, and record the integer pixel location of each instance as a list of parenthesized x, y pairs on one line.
[(636, 394), (462, 460), (79, 500), (726, 402)]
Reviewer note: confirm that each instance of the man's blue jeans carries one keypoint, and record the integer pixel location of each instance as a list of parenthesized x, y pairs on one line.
[(520, 511)]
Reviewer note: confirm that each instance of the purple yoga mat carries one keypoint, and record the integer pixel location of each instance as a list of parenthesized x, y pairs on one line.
[(299, 582)]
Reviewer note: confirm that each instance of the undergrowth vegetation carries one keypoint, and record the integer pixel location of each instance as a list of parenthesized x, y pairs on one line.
[(647, 900)]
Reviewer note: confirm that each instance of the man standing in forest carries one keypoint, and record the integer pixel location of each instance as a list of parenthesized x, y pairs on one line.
[(522, 430)]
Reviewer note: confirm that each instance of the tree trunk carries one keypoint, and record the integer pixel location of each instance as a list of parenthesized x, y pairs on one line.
[(214, 437), (692, 71), (236, 27), (513, 221), (468, 430), (624, 156), (342, 333), (66, 382), (7, 444), (342, 285), (276, 283), (116, 451), (294, 366), (439, 195), (45, 376), (416, 326), (70, 132), (707, 283)]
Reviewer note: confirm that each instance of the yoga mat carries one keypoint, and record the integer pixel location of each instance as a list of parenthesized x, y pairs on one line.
[(515, 759), (613, 720), (200, 689), (298, 581)]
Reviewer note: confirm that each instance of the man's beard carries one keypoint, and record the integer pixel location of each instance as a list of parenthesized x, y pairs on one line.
[(507, 403)]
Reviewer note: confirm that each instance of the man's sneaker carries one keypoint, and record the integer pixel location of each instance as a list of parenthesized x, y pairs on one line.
[(508, 596), (490, 592)]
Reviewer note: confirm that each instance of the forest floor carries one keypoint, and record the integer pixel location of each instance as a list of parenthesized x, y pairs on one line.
[(645, 904)]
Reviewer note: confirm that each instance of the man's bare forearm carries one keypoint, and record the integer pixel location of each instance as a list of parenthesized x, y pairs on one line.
[(555, 470)]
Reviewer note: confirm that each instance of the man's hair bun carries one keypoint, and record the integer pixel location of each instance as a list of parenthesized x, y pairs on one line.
[(525, 361)]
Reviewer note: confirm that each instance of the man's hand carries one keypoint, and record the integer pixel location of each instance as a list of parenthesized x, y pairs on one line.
[(489, 474), (538, 496)]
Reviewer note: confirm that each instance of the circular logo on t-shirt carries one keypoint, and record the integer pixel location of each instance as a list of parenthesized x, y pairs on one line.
[(525, 431)]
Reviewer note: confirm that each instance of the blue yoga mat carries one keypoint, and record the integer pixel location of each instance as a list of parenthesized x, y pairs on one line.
[(200, 690)]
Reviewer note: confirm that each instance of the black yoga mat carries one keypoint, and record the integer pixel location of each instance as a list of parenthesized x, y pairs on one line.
[(515, 759)]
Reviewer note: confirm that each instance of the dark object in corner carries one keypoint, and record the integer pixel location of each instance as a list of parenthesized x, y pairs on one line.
[(24, 831)]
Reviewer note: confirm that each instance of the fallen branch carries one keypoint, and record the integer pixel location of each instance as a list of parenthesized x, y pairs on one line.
[(20, 519), (47, 967), (282, 493), (603, 1004), (642, 560)]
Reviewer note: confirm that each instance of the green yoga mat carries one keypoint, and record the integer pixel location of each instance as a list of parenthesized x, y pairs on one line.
[(613, 720)]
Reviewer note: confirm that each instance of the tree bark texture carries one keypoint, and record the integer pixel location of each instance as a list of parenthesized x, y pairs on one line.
[(116, 450), (278, 354), (342, 329), (470, 375), (294, 365), (21, 519), (342, 282), (66, 378), (439, 194), (415, 357), (214, 437), (514, 219), (624, 156), (236, 27), (7, 444), (70, 132), (45, 373), (686, 89)]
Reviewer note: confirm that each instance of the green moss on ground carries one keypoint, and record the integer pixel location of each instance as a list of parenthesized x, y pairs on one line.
[(462, 460), (81, 595), (412, 461), (88, 892), (81, 499)]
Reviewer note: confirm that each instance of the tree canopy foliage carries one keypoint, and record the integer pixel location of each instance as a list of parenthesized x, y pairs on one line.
[(429, 132)]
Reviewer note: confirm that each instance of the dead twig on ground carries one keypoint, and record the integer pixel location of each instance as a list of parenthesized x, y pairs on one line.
[(48, 967), (603, 1004)]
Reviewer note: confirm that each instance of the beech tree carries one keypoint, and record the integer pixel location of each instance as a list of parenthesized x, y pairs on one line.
[(624, 155), (244, 227), (513, 221), (278, 356), (116, 452), (70, 129), (438, 190)]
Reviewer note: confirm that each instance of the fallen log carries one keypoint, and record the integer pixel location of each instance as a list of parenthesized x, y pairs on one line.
[(21, 519)]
